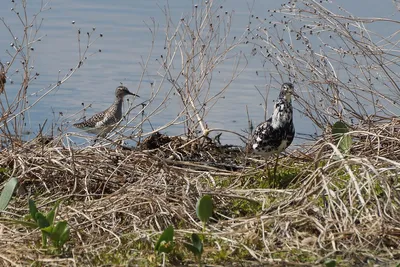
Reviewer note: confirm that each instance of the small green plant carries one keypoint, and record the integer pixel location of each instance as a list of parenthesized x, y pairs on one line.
[(196, 247), (7, 192), (204, 210), (342, 138), (165, 243), (58, 233)]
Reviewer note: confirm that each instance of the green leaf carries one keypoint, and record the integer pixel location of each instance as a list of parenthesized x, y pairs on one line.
[(196, 241), (338, 129), (166, 241), (7, 192), (196, 247), (32, 209), (50, 216), (193, 249), (41, 220), (330, 263), (60, 228), (345, 144), (341, 136), (64, 236), (204, 208), (58, 234), (48, 230)]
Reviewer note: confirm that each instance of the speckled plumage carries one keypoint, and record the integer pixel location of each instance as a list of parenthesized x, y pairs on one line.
[(277, 133), (103, 122)]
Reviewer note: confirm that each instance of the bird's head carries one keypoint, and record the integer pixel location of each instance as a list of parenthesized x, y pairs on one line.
[(122, 91), (287, 91)]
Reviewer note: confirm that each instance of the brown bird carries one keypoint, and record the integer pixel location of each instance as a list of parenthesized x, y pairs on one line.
[(103, 122)]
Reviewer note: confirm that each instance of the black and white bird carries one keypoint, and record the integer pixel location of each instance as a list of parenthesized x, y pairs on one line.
[(277, 133), (103, 122)]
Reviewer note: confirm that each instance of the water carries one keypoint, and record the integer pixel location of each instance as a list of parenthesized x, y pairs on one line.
[(125, 44)]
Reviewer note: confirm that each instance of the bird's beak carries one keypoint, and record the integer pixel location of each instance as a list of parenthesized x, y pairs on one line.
[(133, 94)]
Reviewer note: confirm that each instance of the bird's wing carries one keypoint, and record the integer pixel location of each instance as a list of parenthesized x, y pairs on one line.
[(265, 137), (109, 117), (92, 121), (268, 139), (290, 134)]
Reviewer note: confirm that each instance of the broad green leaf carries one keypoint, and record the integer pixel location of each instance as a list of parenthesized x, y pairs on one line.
[(345, 144), (196, 247), (41, 220), (64, 236), (330, 263), (338, 129), (50, 216), (7, 192), (32, 209), (60, 228), (48, 230), (341, 136), (166, 246), (204, 208), (166, 241), (192, 248), (196, 241), (58, 234)]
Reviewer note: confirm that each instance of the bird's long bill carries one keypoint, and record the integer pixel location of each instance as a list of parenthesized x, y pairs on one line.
[(133, 94)]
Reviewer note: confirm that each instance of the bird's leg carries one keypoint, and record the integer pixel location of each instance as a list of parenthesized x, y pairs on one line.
[(267, 167), (100, 136), (275, 167)]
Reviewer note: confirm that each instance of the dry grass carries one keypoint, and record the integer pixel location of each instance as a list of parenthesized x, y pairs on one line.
[(117, 201)]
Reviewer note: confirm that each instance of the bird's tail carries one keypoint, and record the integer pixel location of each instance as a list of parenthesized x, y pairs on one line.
[(80, 125)]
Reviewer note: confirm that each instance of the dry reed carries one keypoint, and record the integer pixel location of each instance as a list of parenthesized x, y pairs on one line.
[(338, 205)]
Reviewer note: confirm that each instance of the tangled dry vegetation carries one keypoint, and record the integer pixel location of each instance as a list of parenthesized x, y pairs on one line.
[(117, 201)]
